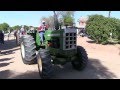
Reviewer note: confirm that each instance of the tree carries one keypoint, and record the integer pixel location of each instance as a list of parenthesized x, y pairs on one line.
[(64, 13), (16, 27), (49, 21), (67, 16), (4, 27), (26, 27), (35, 28), (103, 29), (64, 18), (11, 29)]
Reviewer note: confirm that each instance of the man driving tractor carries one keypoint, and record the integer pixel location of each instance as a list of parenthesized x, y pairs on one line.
[(41, 30)]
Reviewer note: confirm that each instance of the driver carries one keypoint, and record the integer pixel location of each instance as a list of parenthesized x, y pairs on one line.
[(42, 29)]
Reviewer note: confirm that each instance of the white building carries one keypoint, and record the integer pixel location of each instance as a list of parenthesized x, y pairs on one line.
[(81, 23)]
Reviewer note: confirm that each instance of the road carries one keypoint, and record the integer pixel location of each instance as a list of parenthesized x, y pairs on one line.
[(104, 63)]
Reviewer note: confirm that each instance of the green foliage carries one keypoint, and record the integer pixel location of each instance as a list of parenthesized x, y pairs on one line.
[(35, 28), (11, 29), (67, 17), (26, 27), (4, 27), (68, 20), (49, 21), (17, 27), (99, 28)]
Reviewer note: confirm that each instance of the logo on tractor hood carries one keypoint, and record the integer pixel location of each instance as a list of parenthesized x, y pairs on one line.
[(53, 35)]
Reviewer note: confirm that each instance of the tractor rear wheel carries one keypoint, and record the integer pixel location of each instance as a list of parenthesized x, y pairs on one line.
[(82, 59), (44, 64), (28, 51)]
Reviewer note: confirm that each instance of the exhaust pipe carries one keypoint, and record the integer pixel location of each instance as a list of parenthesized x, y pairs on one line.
[(56, 23)]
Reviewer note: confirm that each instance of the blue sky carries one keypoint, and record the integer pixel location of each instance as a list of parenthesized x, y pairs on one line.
[(33, 17)]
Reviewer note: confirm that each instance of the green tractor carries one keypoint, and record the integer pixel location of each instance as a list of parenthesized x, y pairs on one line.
[(59, 48)]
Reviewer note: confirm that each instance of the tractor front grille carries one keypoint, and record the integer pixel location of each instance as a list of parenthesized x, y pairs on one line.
[(70, 40)]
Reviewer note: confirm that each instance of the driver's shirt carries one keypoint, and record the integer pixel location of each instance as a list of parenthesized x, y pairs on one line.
[(42, 28)]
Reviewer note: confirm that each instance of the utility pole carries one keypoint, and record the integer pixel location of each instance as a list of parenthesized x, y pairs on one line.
[(109, 14)]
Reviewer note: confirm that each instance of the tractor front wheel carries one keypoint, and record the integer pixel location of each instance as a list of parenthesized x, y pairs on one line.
[(28, 51), (44, 64), (81, 61)]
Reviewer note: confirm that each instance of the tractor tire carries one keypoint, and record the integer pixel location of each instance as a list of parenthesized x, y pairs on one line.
[(82, 59), (45, 66), (28, 51)]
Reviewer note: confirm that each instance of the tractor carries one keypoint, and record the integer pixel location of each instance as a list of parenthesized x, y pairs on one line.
[(59, 48)]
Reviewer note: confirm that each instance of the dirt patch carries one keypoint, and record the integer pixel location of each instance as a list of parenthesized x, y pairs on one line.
[(104, 63)]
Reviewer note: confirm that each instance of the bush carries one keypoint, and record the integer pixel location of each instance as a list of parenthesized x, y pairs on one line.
[(99, 28)]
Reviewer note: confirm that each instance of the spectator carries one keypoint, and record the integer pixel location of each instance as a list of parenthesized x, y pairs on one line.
[(1, 37), (15, 33), (8, 34), (22, 30)]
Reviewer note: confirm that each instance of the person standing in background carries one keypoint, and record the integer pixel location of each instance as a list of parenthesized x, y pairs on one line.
[(22, 30), (1, 37), (8, 34)]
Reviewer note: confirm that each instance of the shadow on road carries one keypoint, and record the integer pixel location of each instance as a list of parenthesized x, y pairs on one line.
[(8, 52), (94, 70), (5, 74), (8, 47), (5, 59), (91, 41), (4, 64), (8, 74), (9, 44), (28, 75)]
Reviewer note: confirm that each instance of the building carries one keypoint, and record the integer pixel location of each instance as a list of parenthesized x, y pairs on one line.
[(81, 23)]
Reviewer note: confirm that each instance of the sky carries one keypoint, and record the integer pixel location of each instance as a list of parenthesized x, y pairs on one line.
[(32, 18)]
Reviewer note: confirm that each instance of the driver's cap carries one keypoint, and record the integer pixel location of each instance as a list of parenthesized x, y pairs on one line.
[(43, 21)]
